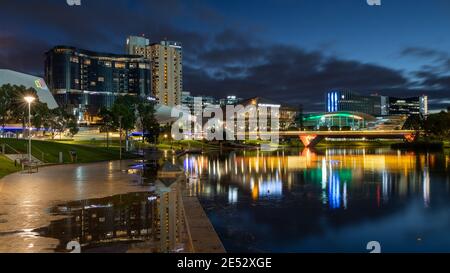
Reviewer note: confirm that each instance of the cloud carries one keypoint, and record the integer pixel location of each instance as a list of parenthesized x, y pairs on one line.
[(219, 59)]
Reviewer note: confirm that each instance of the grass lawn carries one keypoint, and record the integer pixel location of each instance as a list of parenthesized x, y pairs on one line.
[(49, 151), (7, 166)]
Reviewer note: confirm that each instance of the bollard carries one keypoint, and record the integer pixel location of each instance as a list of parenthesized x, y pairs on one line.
[(61, 158)]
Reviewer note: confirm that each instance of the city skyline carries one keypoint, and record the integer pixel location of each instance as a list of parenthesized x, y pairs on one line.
[(275, 50)]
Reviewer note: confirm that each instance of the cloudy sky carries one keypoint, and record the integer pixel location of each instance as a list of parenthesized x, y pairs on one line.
[(289, 50)]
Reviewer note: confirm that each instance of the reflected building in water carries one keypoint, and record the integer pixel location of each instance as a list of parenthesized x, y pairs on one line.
[(170, 215), (340, 175), (151, 221)]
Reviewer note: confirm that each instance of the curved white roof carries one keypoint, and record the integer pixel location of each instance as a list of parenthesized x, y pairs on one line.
[(29, 81)]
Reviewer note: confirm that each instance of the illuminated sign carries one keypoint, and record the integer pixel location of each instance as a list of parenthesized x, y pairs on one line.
[(40, 84)]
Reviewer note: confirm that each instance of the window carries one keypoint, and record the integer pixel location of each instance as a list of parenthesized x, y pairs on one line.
[(74, 59), (119, 65), (101, 79)]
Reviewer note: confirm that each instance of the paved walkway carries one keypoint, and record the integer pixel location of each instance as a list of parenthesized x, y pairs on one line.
[(24, 199)]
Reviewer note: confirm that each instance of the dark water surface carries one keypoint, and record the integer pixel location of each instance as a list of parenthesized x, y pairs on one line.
[(334, 200)]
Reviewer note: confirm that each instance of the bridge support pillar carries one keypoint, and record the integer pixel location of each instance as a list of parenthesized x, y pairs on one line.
[(310, 140), (410, 137)]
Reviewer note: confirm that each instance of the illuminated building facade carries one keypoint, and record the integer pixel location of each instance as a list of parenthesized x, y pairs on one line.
[(408, 106), (230, 100), (337, 121), (188, 100), (353, 102), (286, 113), (166, 60), (83, 81), (375, 105)]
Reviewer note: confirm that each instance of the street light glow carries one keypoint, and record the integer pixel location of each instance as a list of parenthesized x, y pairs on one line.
[(29, 99)]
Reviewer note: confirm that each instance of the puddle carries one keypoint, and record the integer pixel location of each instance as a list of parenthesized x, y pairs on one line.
[(113, 224)]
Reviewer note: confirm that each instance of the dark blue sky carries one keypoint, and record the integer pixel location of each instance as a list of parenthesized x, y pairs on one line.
[(290, 50)]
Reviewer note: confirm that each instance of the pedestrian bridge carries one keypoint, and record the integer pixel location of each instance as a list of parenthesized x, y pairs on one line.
[(312, 138)]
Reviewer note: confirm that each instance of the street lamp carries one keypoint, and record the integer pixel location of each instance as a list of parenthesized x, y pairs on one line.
[(29, 100), (120, 137)]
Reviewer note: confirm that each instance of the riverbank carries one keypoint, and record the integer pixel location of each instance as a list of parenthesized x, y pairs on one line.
[(202, 235)]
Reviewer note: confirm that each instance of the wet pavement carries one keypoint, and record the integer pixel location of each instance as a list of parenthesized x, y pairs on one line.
[(26, 199)]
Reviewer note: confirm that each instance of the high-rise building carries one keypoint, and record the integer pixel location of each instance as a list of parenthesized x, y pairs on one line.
[(349, 101), (375, 105), (189, 100), (83, 81), (137, 45), (230, 100), (166, 60), (408, 106)]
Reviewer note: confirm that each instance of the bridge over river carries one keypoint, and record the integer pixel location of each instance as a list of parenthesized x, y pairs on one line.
[(312, 138)]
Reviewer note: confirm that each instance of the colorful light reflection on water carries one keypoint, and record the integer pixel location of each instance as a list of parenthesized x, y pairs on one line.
[(334, 200)]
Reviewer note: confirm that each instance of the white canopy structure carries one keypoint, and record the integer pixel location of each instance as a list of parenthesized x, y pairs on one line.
[(29, 81)]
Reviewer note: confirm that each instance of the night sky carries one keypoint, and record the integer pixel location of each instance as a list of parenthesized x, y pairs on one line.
[(289, 50)]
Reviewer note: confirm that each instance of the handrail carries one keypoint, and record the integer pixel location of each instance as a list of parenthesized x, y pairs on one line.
[(37, 150), (12, 148)]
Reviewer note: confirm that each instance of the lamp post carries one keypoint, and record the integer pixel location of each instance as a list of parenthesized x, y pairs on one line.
[(120, 137), (29, 100)]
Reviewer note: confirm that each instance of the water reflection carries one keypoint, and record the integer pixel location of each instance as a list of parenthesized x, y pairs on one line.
[(343, 186), (150, 221)]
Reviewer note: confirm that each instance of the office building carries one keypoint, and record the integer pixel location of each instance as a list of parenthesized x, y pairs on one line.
[(230, 100), (189, 100), (375, 105), (83, 81), (286, 113), (408, 106), (137, 45), (166, 60), (353, 102)]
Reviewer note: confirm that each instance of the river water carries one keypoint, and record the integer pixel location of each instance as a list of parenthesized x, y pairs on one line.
[(332, 200)]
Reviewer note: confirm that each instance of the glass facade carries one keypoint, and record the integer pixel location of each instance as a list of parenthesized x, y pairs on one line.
[(375, 105), (84, 81), (349, 101)]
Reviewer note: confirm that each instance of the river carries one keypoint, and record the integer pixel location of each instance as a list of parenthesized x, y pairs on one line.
[(330, 200)]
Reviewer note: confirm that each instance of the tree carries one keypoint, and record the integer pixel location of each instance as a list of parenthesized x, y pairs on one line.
[(5, 104), (107, 122), (414, 122), (19, 108), (59, 121), (123, 113), (438, 125), (41, 116), (147, 119)]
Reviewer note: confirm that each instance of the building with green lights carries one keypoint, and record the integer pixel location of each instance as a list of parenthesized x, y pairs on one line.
[(337, 121)]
